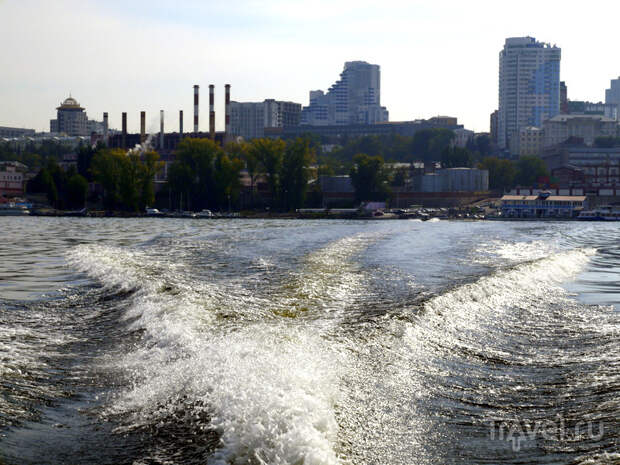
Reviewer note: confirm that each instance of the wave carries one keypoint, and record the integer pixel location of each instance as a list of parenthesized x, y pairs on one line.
[(256, 367)]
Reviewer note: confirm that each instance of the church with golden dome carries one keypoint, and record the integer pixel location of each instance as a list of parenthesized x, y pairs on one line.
[(71, 119)]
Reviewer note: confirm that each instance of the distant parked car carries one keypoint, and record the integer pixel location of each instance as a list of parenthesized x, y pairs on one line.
[(153, 212), (204, 214)]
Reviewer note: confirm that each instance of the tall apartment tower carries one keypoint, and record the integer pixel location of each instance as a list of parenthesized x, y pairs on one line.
[(354, 99), (529, 87), (612, 95)]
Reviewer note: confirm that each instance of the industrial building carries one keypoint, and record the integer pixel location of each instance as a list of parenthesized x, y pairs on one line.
[(354, 99)]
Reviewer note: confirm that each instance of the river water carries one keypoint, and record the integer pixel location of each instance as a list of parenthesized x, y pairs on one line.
[(162, 341)]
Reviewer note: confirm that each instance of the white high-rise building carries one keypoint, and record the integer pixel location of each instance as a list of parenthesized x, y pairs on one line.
[(529, 87), (354, 99)]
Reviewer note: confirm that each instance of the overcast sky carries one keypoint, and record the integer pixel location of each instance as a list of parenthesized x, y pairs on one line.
[(436, 57)]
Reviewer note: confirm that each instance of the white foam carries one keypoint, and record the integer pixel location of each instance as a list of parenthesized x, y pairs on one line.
[(269, 385)]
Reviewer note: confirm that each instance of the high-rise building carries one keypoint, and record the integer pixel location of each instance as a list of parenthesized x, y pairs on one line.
[(249, 119), (354, 99), (529, 87), (612, 95), (493, 126), (563, 97), (71, 119), (612, 99)]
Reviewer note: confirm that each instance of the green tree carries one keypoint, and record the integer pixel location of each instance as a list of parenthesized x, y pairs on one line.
[(530, 170), (241, 151), (429, 144), (502, 172), (77, 189), (151, 166), (227, 178), (369, 178), (198, 157), (456, 157), (270, 153), (49, 185), (483, 145), (107, 169), (400, 177), (296, 173), (127, 179), (181, 179)]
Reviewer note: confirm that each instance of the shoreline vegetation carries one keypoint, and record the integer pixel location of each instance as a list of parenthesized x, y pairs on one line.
[(261, 175)]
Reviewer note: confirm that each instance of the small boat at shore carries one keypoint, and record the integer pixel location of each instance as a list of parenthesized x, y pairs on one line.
[(13, 209), (602, 213)]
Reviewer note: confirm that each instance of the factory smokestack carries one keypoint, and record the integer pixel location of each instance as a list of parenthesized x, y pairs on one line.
[(124, 129), (227, 111), (142, 127), (105, 127), (180, 124), (212, 111), (196, 109), (161, 129)]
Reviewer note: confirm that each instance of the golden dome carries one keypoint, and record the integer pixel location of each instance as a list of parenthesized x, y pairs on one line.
[(70, 103)]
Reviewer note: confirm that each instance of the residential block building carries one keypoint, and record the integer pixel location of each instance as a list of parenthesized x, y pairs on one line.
[(530, 140), (249, 119)]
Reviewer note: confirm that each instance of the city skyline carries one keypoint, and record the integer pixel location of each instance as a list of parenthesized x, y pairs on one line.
[(146, 56)]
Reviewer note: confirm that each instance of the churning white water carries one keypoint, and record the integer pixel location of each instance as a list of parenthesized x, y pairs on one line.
[(316, 342)]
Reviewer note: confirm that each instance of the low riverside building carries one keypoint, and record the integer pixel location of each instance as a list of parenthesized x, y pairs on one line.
[(12, 179), (542, 205)]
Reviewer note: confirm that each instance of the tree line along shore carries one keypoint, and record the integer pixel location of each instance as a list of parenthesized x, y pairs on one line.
[(264, 175)]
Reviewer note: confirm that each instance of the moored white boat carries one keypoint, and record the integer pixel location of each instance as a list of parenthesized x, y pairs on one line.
[(13, 209), (602, 213)]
